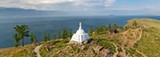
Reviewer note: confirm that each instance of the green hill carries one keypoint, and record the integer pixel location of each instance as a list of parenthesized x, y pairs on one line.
[(149, 44), (135, 40)]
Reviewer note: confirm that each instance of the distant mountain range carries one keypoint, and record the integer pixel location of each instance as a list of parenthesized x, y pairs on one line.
[(5, 12)]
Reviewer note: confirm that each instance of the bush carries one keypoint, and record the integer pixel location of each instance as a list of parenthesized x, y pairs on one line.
[(46, 37)]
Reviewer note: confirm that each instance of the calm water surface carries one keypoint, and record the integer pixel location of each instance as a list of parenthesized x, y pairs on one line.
[(41, 25)]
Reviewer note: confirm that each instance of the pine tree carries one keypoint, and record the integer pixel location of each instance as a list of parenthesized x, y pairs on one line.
[(16, 38), (59, 35), (65, 34), (104, 27), (135, 23), (54, 36), (90, 31), (97, 30), (33, 38), (70, 33), (109, 26), (46, 37), (101, 29), (22, 31), (115, 26)]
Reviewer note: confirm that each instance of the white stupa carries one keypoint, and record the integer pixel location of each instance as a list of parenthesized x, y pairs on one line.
[(80, 36)]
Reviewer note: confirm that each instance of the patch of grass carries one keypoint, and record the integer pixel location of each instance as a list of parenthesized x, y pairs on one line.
[(107, 41), (58, 45), (107, 45), (148, 44), (133, 52), (26, 51)]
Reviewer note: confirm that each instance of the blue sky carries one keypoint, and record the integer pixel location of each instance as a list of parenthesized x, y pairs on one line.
[(90, 7)]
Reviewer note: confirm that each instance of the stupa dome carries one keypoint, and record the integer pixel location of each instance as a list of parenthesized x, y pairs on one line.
[(80, 35), (80, 31)]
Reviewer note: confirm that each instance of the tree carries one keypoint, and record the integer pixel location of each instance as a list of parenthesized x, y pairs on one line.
[(54, 36), (134, 23), (90, 31), (97, 30), (65, 34), (109, 26), (59, 35), (104, 27), (101, 28), (46, 37), (16, 38), (22, 31), (115, 26), (70, 33), (33, 38)]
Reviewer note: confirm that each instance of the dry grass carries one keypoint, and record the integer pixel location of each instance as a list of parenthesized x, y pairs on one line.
[(26, 51)]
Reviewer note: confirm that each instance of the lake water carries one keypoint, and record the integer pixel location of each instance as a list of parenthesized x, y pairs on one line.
[(41, 25)]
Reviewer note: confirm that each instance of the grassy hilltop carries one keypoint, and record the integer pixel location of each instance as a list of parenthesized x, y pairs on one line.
[(149, 44), (142, 40)]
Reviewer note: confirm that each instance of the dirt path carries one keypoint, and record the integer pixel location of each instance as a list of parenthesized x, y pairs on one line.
[(36, 50), (134, 39), (115, 55), (131, 41), (140, 36)]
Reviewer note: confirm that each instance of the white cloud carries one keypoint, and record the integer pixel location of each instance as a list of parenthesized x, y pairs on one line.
[(44, 1), (56, 4), (109, 2)]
